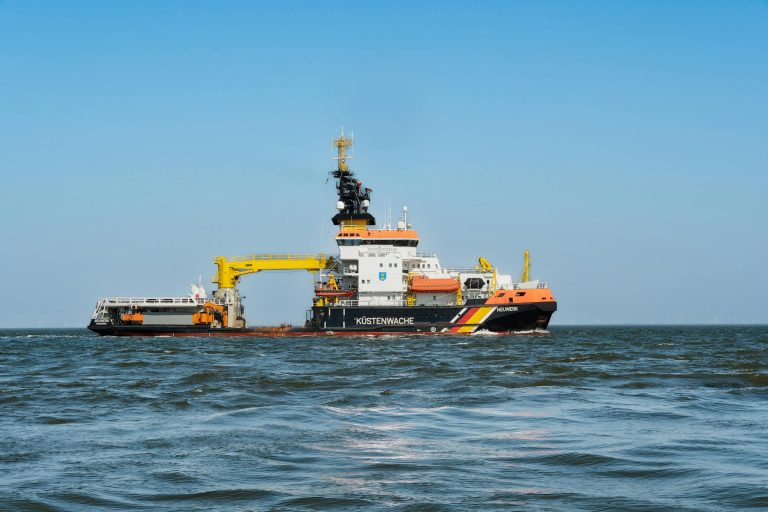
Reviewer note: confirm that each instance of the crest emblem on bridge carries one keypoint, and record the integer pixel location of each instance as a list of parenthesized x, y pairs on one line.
[(382, 276)]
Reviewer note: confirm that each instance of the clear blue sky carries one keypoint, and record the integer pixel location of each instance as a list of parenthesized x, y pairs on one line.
[(624, 143)]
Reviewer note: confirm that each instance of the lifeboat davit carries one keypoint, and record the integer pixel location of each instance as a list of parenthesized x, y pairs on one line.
[(328, 292), (420, 284)]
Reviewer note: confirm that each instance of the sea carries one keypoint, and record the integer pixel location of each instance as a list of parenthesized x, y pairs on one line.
[(630, 418)]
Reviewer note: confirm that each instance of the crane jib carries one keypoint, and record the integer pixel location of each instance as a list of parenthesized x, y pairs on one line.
[(230, 269)]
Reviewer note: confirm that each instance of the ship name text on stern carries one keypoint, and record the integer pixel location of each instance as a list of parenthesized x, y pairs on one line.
[(367, 320)]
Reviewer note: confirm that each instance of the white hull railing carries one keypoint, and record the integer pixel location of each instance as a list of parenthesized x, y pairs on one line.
[(156, 301), (104, 304)]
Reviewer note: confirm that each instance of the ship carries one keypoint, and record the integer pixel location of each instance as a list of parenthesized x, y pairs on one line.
[(379, 283)]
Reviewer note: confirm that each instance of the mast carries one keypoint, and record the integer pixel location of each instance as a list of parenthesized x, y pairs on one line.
[(341, 144), (354, 198), (525, 275)]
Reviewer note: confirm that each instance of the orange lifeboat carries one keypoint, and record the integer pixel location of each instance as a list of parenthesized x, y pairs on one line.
[(420, 284), (132, 318)]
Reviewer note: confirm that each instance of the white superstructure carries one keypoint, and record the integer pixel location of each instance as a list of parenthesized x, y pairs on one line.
[(378, 265)]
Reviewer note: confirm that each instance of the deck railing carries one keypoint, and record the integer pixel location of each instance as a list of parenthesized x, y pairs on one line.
[(277, 256), (158, 301), (530, 285), (355, 303), (467, 270)]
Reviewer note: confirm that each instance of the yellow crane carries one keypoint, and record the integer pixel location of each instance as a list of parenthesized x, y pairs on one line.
[(230, 269), (485, 266)]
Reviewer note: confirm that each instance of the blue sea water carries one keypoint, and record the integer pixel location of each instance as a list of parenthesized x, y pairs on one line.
[(584, 418)]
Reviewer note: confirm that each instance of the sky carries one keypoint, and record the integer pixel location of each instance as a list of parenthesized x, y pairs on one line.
[(624, 143)]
